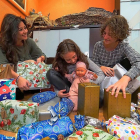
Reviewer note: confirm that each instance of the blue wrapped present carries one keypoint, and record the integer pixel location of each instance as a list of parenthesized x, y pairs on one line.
[(79, 121), (64, 107), (3, 137), (47, 128), (43, 97)]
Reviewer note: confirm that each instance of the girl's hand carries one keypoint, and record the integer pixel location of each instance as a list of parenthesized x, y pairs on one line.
[(61, 94), (120, 85), (108, 71), (23, 84), (56, 68)]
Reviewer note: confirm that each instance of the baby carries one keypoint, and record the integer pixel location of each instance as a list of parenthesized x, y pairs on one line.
[(80, 75)]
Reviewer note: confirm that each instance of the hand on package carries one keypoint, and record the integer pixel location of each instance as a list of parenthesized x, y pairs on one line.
[(120, 85), (38, 60), (29, 61), (108, 71), (62, 94), (23, 84)]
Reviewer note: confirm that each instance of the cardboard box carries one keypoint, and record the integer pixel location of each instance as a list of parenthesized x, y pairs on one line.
[(116, 106), (88, 99)]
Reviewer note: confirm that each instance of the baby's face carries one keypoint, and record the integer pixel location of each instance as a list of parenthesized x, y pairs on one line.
[(80, 71)]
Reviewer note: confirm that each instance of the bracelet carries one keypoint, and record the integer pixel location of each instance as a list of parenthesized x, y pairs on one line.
[(17, 79)]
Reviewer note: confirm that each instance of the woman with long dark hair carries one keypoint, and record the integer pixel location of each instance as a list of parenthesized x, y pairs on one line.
[(16, 46)]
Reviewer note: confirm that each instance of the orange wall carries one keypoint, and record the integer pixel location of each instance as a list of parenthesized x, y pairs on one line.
[(58, 8), (32, 4), (6, 7)]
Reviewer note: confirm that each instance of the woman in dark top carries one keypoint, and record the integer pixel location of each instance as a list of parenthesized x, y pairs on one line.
[(16, 46)]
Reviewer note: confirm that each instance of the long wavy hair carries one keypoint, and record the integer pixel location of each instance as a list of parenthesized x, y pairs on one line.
[(64, 47), (8, 36), (118, 27)]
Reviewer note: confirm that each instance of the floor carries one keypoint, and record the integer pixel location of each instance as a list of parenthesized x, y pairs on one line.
[(27, 95)]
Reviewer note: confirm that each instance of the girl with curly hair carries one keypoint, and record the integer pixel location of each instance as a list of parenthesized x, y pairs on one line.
[(112, 49), (67, 55)]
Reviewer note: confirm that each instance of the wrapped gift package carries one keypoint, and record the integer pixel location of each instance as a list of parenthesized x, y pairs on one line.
[(15, 114), (35, 73), (88, 99), (43, 97), (64, 107), (44, 114), (90, 133), (135, 96), (79, 121), (42, 129), (116, 106), (7, 89), (125, 129), (3, 137)]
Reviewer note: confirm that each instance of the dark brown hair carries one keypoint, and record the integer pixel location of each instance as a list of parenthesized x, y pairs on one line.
[(64, 47), (118, 27), (8, 36)]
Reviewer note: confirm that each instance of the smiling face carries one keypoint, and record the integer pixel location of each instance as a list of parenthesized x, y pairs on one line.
[(70, 57), (80, 72), (108, 37), (22, 32)]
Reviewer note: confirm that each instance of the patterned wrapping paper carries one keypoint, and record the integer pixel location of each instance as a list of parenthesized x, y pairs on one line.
[(126, 130), (7, 89), (42, 129), (64, 107), (15, 114), (43, 97), (90, 133), (35, 73), (79, 121), (3, 137)]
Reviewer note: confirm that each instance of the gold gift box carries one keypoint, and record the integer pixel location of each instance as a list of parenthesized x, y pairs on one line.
[(135, 96), (88, 99), (116, 106)]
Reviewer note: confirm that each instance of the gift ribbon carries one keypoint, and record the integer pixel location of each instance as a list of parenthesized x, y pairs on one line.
[(60, 110)]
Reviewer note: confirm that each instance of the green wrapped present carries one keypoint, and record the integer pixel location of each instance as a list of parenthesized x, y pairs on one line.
[(90, 133), (15, 114)]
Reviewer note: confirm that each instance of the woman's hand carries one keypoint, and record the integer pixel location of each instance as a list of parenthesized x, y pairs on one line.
[(61, 94), (29, 61), (120, 85), (23, 84), (108, 71), (40, 59)]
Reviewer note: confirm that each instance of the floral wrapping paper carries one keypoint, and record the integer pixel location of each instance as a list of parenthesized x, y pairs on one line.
[(126, 130), (64, 107), (42, 129), (35, 73), (3, 137), (90, 133), (15, 114), (7, 89), (43, 97)]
